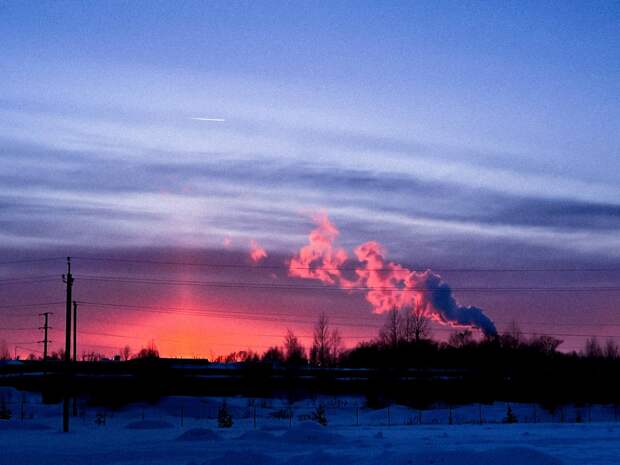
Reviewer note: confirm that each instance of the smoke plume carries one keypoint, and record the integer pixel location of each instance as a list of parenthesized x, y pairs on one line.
[(386, 284), (257, 253)]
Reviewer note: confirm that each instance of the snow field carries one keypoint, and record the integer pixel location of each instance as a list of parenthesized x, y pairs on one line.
[(184, 431)]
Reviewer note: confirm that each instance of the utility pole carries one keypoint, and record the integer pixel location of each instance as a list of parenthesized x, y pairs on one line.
[(68, 280), (45, 329), (75, 306)]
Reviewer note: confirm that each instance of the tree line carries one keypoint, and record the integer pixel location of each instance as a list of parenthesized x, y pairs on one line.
[(404, 340)]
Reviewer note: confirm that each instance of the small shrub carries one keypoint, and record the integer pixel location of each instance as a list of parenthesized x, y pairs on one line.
[(510, 416), (224, 418), (100, 419), (319, 415)]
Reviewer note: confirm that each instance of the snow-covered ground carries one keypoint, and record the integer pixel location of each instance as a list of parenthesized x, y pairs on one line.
[(184, 431)]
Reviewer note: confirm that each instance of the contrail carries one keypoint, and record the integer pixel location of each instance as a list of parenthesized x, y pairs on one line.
[(216, 120)]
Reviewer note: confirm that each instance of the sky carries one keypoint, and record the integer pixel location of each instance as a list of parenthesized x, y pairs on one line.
[(470, 138)]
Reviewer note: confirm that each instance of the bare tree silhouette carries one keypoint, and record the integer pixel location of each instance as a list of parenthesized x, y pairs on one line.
[(415, 325), (5, 354), (125, 353), (295, 354), (326, 343)]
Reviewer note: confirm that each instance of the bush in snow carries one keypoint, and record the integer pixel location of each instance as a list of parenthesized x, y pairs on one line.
[(224, 418), (319, 415), (510, 416)]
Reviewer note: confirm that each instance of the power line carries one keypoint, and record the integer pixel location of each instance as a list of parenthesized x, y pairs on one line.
[(18, 329), (33, 280), (270, 316), (201, 312), (280, 267), (21, 342), (20, 278), (125, 336), (496, 321), (27, 349), (256, 285), (40, 304), (446, 329), (30, 260)]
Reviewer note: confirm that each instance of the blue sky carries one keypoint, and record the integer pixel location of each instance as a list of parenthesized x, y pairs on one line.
[(457, 133)]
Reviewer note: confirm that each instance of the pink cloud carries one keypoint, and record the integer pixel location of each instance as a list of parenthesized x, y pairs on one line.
[(257, 253)]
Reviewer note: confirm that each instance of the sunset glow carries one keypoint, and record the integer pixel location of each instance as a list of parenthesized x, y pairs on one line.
[(258, 165)]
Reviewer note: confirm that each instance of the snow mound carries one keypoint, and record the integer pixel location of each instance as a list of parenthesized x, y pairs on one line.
[(23, 426), (234, 457), (321, 458), (257, 436), (312, 433), (517, 456), (149, 424), (500, 456), (199, 434)]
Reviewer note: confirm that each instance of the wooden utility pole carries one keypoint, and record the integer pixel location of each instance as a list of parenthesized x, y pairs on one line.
[(68, 280), (45, 329), (75, 306)]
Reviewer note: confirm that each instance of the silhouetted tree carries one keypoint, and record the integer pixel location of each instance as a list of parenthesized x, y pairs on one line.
[(5, 354), (125, 353), (612, 351), (149, 351), (512, 338), (248, 356), (592, 348), (273, 355), (389, 334), (335, 342), (295, 354), (57, 354), (415, 325), (461, 339), (242, 356), (92, 356), (545, 344), (326, 343)]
